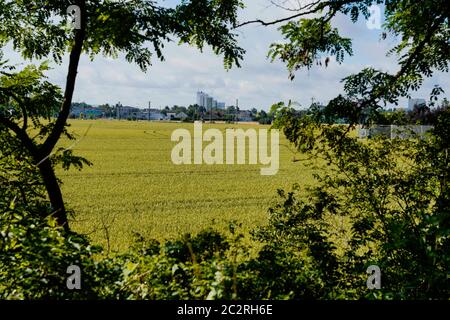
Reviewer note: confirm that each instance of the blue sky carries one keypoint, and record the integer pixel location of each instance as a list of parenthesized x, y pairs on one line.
[(258, 83)]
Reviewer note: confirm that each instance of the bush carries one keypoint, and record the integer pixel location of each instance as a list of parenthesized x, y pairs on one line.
[(35, 255), (392, 198)]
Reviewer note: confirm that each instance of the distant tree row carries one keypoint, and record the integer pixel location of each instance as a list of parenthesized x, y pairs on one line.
[(194, 112), (420, 115)]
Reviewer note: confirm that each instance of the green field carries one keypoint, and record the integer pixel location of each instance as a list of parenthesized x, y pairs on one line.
[(133, 186)]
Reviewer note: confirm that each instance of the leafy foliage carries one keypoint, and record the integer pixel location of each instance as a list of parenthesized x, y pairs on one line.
[(308, 38), (120, 26), (40, 30), (392, 193), (35, 255)]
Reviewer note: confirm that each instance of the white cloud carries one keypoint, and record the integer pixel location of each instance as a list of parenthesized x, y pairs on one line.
[(258, 83)]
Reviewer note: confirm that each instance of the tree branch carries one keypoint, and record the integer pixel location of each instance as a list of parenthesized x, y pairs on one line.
[(334, 5), (22, 107), (21, 135), (75, 54)]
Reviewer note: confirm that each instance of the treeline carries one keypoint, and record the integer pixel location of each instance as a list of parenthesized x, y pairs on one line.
[(193, 112), (419, 115), (229, 114)]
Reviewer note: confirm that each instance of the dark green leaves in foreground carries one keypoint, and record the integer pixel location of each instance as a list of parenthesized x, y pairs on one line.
[(379, 201), (138, 29), (27, 96), (307, 41)]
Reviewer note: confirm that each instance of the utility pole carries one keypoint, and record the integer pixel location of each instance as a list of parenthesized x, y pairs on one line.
[(237, 108), (118, 105), (149, 107)]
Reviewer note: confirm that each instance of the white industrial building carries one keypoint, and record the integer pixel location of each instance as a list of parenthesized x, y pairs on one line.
[(206, 101), (415, 102)]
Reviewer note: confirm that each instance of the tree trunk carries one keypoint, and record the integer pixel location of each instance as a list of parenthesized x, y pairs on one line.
[(44, 150), (46, 169), (54, 193)]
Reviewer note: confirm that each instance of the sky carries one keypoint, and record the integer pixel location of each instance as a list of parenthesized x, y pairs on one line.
[(257, 84)]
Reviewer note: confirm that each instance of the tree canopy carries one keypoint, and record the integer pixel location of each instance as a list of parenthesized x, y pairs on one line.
[(423, 48), (137, 29)]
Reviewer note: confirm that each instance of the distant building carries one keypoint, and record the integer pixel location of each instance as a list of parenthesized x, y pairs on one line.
[(394, 131), (245, 116), (415, 102), (206, 101), (202, 98), (209, 103), (126, 112), (171, 116), (156, 116), (85, 111), (76, 112), (153, 115), (93, 113), (181, 116), (199, 98)]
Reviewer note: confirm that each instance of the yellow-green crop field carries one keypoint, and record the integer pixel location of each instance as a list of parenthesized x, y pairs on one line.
[(133, 186)]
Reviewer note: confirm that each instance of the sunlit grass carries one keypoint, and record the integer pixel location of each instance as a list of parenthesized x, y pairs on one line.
[(133, 186)]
